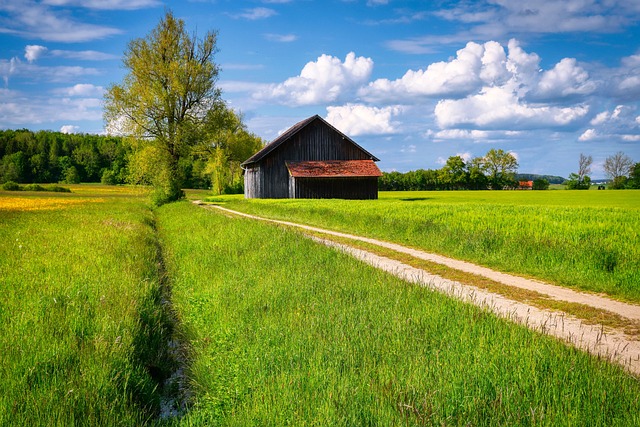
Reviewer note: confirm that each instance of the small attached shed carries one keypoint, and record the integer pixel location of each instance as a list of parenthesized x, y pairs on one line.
[(312, 159)]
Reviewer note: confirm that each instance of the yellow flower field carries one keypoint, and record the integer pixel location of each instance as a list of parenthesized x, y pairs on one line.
[(12, 203)]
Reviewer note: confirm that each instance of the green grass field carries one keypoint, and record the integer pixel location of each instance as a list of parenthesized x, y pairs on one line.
[(588, 240), (79, 312), (275, 329)]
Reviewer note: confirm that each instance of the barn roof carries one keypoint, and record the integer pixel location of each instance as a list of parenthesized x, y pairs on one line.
[(285, 136), (333, 169)]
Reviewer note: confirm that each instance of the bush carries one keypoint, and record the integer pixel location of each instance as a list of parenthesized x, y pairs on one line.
[(71, 175), (108, 177), (11, 186), (58, 189), (34, 187), (540, 184)]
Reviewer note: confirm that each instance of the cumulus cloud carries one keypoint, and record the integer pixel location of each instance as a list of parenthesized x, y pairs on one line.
[(500, 108), (588, 135), (356, 119), (69, 129), (459, 75), (33, 52), (565, 79), (475, 66), (325, 80), (621, 123)]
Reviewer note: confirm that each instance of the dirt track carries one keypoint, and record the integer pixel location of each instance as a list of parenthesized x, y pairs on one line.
[(603, 341)]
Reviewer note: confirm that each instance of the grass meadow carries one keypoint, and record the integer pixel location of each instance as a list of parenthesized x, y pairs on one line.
[(589, 240), (274, 328), (284, 331), (79, 311)]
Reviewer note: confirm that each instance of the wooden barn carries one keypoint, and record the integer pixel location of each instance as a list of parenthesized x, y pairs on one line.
[(312, 160)]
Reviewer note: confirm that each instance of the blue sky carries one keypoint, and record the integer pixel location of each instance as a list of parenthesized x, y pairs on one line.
[(414, 82)]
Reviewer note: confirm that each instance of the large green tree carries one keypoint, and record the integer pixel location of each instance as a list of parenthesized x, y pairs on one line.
[(163, 101), (501, 168)]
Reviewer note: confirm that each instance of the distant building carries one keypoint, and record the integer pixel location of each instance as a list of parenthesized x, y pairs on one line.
[(525, 185), (312, 160)]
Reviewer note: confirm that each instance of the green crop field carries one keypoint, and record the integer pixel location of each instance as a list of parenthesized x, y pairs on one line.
[(273, 329), (588, 240)]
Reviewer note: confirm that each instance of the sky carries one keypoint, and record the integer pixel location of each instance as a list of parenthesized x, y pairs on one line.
[(413, 82)]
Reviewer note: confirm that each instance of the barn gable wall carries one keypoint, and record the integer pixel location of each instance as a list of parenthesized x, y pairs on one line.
[(269, 178)]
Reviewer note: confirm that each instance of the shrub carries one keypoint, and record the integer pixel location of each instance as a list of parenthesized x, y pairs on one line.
[(108, 177), (540, 184), (58, 189), (34, 187), (11, 186)]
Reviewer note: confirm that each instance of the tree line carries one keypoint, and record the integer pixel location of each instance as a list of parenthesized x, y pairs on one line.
[(55, 157), (619, 169), (496, 170)]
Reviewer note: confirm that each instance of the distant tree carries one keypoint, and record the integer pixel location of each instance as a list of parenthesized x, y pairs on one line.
[(634, 176), (454, 173), (540, 184), (617, 167), (581, 180), (500, 167), (584, 167), (164, 99), (574, 182)]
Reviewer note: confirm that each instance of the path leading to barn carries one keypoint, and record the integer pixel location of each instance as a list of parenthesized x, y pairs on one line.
[(607, 342)]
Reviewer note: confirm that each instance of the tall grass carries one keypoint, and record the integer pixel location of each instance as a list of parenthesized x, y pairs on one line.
[(79, 310), (287, 332), (587, 240)]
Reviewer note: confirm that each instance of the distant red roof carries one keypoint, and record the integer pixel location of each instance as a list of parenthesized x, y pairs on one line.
[(333, 169)]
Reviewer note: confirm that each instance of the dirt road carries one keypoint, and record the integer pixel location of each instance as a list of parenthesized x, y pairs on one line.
[(608, 342)]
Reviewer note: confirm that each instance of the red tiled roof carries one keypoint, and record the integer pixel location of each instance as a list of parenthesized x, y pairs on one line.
[(333, 169)]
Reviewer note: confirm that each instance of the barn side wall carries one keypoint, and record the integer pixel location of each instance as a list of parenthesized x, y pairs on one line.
[(335, 188), (316, 141)]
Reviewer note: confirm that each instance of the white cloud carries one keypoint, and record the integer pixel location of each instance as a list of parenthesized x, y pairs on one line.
[(106, 5), (35, 20), (8, 68), (281, 38), (500, 19), (33, 52), (600, 118), (82, 90), (499, 108), (355, 119), (460, 75), (257, 13), (461, 134), (69, 129), (475, 65), (588, 135), (84, 55), (466, 156), (565, 79), (325, 80), (631, 138)]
